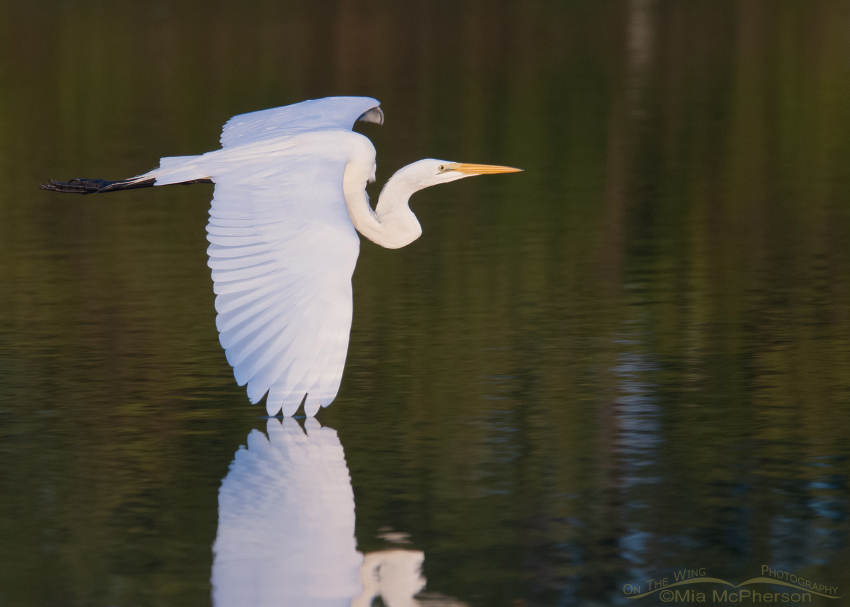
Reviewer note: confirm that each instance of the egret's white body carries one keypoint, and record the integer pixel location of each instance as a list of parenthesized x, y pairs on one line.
[(290, 191)]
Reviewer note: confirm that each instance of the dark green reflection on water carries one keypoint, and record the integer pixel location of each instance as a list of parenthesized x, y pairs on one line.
[(633, 357)]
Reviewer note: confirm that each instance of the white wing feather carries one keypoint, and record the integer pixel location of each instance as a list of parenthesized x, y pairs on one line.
[(282, 245), (282, 252), (312, 115)]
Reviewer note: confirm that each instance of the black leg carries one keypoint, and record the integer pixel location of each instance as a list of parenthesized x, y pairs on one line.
[(100, 186), (93, 186)]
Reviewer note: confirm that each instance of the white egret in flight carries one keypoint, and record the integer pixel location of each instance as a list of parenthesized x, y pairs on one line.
[(290, 190)]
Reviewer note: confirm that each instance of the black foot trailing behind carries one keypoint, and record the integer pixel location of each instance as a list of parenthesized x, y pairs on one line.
[(100, 186)]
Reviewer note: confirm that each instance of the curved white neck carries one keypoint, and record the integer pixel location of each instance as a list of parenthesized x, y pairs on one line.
[(392, 224)]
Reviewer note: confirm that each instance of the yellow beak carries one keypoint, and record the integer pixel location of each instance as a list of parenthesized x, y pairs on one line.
[(482, 169)]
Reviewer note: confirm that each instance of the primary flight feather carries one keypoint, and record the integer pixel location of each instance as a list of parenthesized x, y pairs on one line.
[(290, 190)]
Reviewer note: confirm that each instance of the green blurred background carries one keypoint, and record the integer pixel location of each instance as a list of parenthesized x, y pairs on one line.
[(632, 357)]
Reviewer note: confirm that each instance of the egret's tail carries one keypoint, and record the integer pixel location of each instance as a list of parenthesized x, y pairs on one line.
[(178, 169), (172, 170)]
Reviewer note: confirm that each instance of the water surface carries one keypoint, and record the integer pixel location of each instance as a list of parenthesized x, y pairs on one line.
[(630, 359)]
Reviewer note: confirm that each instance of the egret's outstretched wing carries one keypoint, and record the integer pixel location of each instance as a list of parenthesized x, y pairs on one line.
[(312, 115), (249, 136), (282, 252)]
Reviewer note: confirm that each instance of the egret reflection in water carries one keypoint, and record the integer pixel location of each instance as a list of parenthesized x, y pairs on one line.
[(286, 529)]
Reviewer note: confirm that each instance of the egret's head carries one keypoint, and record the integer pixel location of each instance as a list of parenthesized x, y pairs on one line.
[(444, 170), (457, 170), (428, 172)]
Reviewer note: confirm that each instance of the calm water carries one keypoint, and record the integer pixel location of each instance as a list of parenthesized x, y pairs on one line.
[(630, 360)]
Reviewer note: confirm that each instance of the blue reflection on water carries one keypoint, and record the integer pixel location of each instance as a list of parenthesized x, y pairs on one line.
[(636, 443), (806, 532)]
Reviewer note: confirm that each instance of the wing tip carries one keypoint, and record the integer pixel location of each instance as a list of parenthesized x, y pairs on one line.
[(273, 408), (374, 115)]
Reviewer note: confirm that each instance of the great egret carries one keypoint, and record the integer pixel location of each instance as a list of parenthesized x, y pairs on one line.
[(290, 186)]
